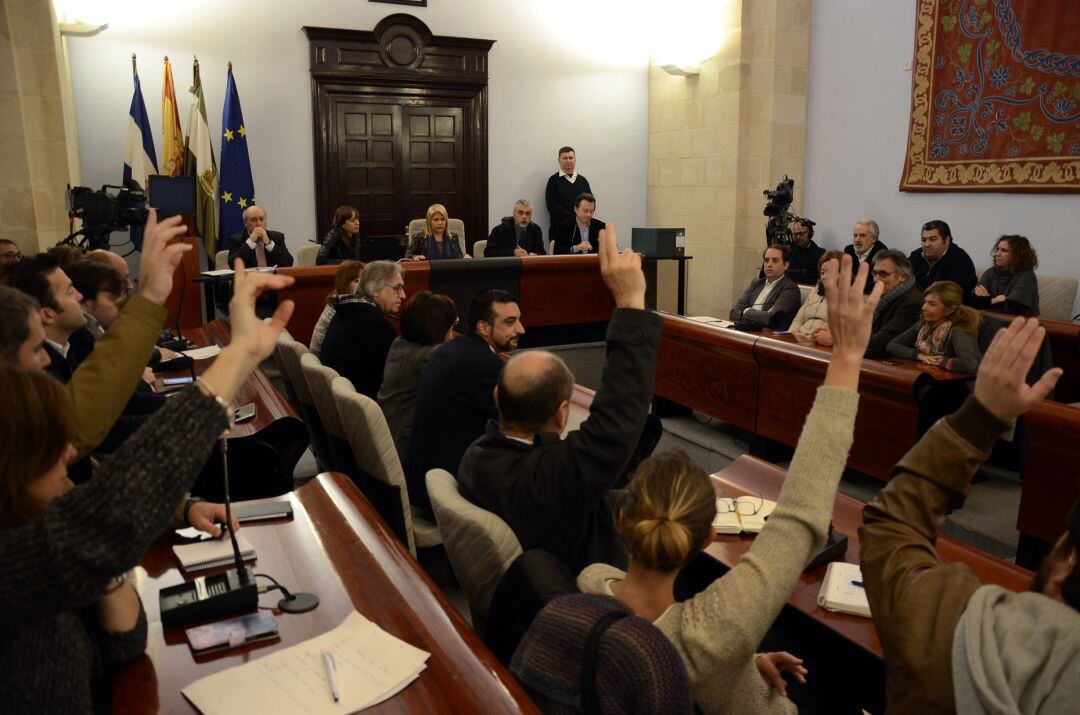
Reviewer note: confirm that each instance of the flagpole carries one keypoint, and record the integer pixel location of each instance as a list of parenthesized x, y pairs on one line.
[(134, 70)]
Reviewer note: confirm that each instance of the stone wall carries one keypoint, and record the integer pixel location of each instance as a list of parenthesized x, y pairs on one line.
[(718, 138)]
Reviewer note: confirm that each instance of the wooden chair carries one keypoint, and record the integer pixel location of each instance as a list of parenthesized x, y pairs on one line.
[(382, 479)]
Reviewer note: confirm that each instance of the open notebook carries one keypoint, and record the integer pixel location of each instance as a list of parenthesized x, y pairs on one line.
[(842, 590), (211, 553), (741, 514)]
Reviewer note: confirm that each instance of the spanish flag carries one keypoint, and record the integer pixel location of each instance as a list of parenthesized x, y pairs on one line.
[(172, 151)]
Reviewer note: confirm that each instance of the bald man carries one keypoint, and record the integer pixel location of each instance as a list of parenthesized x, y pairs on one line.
[(114, 261), (554, 493)]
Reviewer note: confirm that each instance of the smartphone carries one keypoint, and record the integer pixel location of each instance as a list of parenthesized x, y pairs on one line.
[(233, 633), (174, 381), (244, 413), (892, 361)]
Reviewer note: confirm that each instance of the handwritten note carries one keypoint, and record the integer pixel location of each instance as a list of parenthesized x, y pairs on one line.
[(372, 665)]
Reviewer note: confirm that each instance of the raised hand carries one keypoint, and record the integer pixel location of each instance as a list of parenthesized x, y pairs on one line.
[(1001, 385), (160, 257), (851, 313), (771, 667), (621, 271)]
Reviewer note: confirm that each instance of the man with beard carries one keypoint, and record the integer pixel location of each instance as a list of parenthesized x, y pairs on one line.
[(952, 644), (456, 394)]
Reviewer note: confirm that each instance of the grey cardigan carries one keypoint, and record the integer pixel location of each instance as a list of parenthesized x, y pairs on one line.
[(397, 396), (962, 353)]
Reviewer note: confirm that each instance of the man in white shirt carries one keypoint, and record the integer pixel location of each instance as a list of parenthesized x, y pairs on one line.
[(772, 300), (864, 245)]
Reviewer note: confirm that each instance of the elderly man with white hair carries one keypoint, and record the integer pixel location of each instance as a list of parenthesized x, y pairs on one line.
[(257, 245), (864, 245)]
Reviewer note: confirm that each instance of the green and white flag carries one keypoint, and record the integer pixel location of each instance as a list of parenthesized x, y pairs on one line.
[(199, 162)]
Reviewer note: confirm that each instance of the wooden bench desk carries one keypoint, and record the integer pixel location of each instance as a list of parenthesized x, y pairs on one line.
[(1051, 477), (337, 547)]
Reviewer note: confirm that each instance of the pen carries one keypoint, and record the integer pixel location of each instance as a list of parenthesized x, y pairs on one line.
[(858, 583), (331, 673)]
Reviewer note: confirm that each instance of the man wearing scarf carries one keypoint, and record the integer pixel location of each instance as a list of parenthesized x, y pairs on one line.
[(900, 302)]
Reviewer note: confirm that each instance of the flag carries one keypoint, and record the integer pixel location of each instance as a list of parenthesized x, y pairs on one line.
[(237, 187), (199, 162), (140, 159), (172, 136)]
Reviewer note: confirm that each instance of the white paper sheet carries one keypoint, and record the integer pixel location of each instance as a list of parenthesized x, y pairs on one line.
[(203, 353), (372, 665)]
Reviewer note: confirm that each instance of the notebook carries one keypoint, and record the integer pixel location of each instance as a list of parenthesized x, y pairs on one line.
[(211, 553), (728, 521), (840, 592)]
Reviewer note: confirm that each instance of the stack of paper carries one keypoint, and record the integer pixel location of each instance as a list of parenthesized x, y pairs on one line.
[(729, 521), (710, 321), (212, 553), (203, 353), (843, 591), (372, 665)]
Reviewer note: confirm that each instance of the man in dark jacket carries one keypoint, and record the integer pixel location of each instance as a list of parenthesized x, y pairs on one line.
[(901, 300), (256, 244), (359, 337), (582, 235), (772, 300), (940, 259), (803, 254), (556, 494), (516, 235), (563, 187), (456, 398), (864, 246)]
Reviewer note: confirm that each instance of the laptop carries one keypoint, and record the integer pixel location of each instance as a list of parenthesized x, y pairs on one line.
[(383, 248)]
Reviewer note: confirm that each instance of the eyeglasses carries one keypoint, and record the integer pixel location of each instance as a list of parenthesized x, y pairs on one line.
[(743, 506), (398, 288), (17, 255), (883, 274)]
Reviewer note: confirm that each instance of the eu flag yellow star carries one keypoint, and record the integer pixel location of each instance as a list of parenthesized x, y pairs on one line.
[(243, 203), (243, 132), (226, 196), (229, 134)]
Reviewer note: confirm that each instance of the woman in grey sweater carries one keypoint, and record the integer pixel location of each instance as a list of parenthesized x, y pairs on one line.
[(70, 616), (717, 630), (946, 335)]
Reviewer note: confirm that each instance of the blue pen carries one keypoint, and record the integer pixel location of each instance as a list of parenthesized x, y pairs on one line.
[(858, 583)]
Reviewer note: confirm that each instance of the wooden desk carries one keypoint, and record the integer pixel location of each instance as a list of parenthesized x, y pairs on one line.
[(337, 547), (750, 475), (1051, 476), (1064, 337)]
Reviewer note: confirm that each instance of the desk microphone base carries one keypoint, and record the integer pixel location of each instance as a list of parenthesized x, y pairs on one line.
[(299, 603), (207, 597)]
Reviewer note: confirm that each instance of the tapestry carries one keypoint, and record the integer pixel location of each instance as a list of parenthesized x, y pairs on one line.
[(995, 100)]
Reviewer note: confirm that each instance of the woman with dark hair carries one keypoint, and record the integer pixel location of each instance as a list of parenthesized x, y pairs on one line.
[(342, 242), (436, 242), (427, 321), (345, 281), (1010, 286), (946, 334), (813, 316), (70, 614), (667, 517)]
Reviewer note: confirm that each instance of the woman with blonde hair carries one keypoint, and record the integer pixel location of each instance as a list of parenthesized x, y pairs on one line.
[(946, 335), (345, 281), (1010, 286), (435, 242), (667, 518)]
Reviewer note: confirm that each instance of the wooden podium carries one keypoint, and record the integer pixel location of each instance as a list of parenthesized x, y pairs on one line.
[(185, 302)]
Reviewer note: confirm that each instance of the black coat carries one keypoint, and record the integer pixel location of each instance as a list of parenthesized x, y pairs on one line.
[(803, 263), (334, 250), (356, 344), (453, 403), (779, 308), (956, 266), (280, 256), (895, 318), (874, 250), (503, 239), (559, 195), (564, 238), (555, 494)]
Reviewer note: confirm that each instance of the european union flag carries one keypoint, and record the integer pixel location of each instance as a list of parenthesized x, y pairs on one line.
[(236, 188)]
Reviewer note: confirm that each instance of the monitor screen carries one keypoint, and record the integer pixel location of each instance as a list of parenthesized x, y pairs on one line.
[(172, 195)]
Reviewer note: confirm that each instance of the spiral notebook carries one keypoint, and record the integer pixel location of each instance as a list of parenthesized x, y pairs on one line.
[(211, 553)]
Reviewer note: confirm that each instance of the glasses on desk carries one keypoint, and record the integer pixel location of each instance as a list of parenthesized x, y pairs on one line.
[(743, 506)]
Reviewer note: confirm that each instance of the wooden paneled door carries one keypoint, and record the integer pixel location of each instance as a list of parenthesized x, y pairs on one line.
[(400, 123)]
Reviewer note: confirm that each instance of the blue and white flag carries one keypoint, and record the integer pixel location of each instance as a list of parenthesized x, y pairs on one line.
[(236, 187), (139, 154)]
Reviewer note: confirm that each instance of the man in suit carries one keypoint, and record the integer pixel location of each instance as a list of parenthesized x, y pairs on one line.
[(940, 259), (803, 254), (455, 398), (516, 235), (772, 300), (256, 245), (582, 235), (358, 338), (864, 246), (563, 187), (556, 493)]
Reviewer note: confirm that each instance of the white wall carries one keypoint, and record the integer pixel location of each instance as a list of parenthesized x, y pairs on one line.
[(860, 98), (553, 81)]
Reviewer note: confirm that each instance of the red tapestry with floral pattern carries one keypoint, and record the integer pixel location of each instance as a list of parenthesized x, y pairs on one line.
[(995, 103)]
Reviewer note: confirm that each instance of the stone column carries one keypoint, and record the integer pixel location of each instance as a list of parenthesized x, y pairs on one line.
[(719, 138), (39, 153)]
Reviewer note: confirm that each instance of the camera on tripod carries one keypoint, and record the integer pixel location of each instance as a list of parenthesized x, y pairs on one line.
[(779, 201), (102, 213)]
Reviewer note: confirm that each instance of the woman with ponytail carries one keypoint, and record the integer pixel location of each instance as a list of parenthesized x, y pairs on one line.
[(946, 335), (667, 518)]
